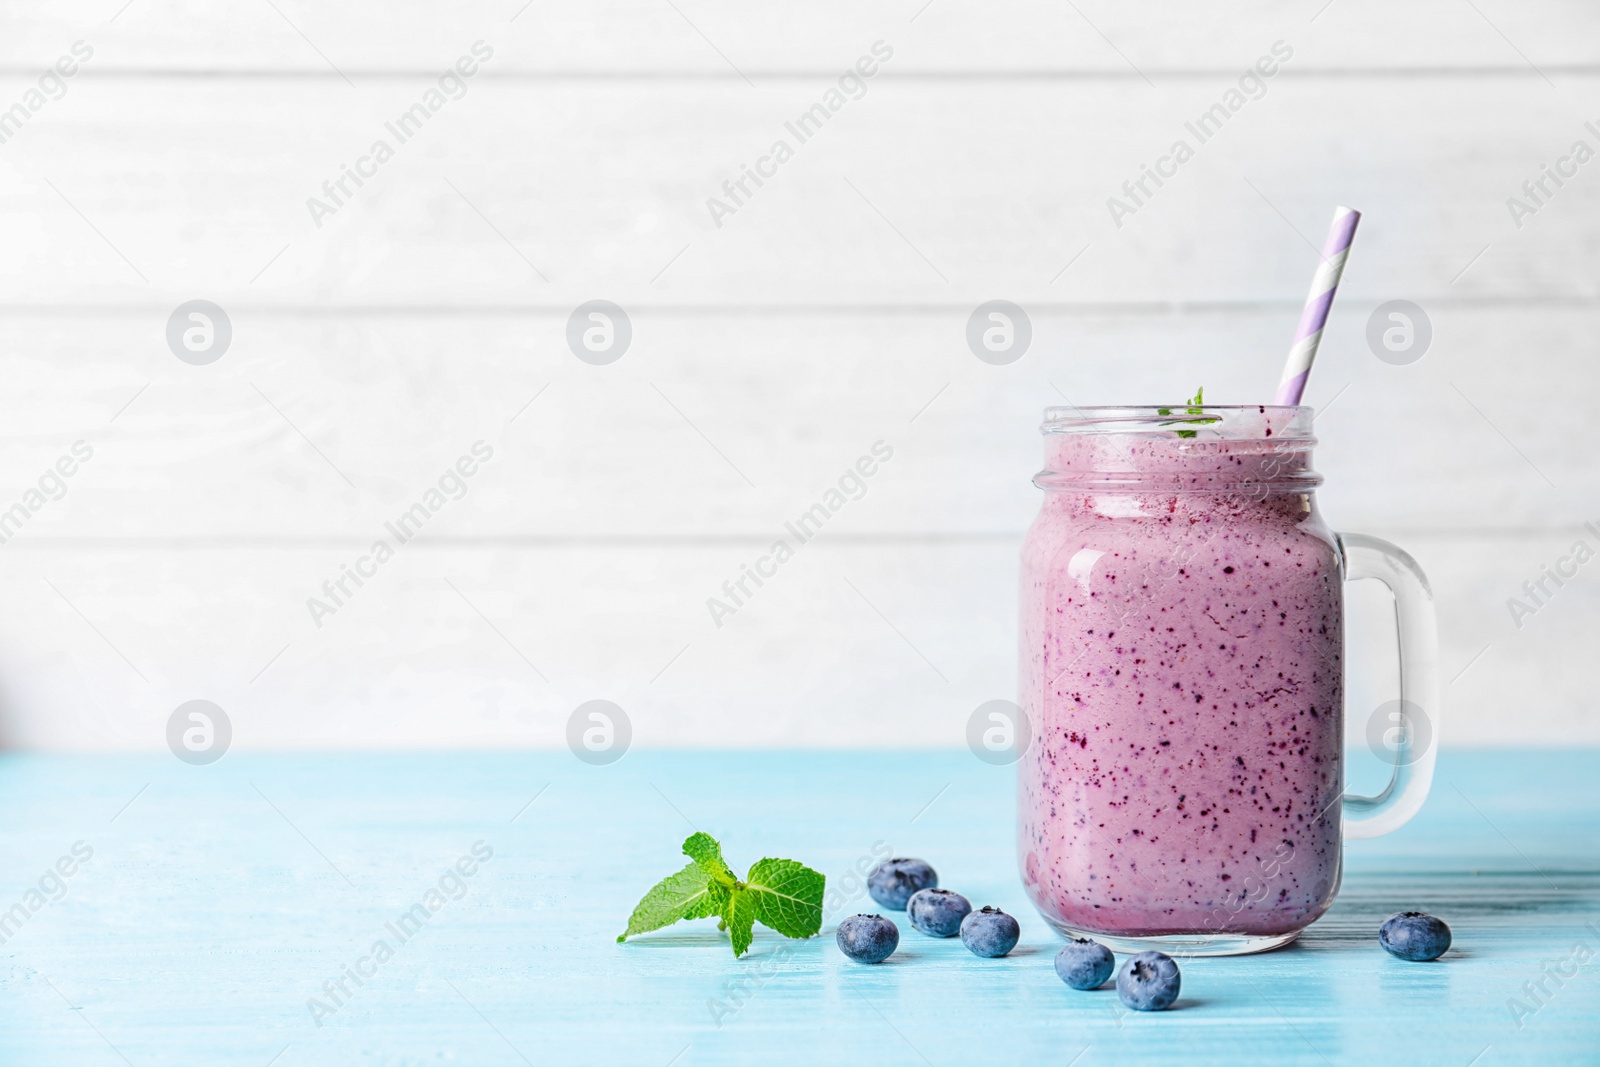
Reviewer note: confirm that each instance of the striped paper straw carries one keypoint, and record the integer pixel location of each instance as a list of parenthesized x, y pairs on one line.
[(1315, 315)]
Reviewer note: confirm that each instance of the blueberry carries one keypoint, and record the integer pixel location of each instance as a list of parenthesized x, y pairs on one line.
[(892, 882), (1085, 964), (937, 912), (1149, 981), (990, 932), (867, 938), (1414, 935)]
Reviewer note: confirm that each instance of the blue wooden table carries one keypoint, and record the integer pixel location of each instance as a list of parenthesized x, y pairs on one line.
[(186, 915)]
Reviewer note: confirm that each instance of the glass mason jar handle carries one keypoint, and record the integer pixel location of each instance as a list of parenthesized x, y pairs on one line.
[(1412, 732)]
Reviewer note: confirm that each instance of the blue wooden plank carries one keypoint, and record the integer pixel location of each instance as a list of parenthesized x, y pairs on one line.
[(219, 899)]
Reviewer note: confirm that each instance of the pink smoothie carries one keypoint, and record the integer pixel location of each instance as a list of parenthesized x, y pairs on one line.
[(1182, 678)]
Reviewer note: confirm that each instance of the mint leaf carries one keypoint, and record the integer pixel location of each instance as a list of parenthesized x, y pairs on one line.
[(788, 896), (740, 916), (704, 850), (1196, 406), (689, 894), (783, 894)]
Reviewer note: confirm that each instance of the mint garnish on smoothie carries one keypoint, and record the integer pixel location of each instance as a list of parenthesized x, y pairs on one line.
[(783, 895), (1196, 407)]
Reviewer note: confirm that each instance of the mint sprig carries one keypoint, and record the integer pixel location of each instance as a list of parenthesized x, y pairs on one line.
[(784, 895), (1196, 407)]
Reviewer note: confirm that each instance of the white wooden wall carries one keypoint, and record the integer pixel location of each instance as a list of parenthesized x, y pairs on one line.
[(767, 355)]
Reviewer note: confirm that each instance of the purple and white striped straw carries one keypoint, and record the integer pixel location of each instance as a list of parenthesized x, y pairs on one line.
[(1315, 315)]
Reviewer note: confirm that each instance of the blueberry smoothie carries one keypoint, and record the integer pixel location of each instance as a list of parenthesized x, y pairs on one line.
[(1181, 674)]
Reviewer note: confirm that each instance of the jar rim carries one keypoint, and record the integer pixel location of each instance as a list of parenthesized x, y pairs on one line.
[(1216, 421)]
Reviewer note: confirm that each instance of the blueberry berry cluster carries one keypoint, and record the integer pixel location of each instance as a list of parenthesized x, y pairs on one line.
[(912, 885), (1147, 982), (1150, 981)]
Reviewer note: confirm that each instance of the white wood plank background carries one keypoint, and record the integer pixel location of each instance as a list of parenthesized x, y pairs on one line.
[(606, 37), (768, 353)]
